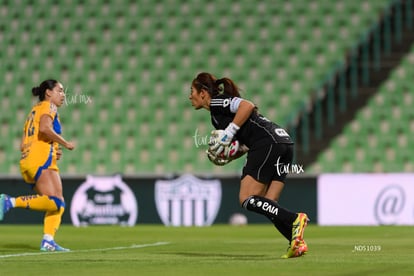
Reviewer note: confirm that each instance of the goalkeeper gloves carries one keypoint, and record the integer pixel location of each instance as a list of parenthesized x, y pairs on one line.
[(216, 160), (223, 138)]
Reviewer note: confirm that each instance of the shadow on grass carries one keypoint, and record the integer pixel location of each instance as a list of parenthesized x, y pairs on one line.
[(221, 255), (12, 246)]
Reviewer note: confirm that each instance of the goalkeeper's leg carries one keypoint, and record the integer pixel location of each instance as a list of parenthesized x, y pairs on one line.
[(271, 209), (283, 219), (293, 232), (273, 192), (251, 198)]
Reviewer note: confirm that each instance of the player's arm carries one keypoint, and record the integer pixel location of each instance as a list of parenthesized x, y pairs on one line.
[(46, 129), (243, 110), (22, 141)]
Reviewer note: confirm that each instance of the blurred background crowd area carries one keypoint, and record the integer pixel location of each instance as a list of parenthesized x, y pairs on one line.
[(336, 74)]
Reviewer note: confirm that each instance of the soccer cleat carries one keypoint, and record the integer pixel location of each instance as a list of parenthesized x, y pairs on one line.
[(297, 246), (51, 246), (302, 248), (299, 250), (298, 228), (5, 205)]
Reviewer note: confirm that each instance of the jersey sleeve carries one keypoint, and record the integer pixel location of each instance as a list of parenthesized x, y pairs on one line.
[(221, 111), (224, 105)]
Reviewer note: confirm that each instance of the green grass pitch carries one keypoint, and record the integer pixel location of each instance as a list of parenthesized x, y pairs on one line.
[(215, 250)]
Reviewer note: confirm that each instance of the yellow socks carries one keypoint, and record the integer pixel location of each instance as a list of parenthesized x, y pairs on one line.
[(37, 203), (53, 206), (52, 221)]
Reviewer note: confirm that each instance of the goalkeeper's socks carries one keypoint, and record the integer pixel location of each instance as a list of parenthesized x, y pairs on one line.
[(271, 209), (38, 202), (283, 228)]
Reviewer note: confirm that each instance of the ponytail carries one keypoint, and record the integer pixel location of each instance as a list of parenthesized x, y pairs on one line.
[(227, 86), (36, 91), (40, 91), (215, 86)]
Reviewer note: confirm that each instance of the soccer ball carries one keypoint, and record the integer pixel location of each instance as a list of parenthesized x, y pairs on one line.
[(238, 219), (230, 150)]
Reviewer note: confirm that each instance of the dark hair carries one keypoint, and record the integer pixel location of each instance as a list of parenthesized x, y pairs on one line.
[(40, 90), (215, 86)]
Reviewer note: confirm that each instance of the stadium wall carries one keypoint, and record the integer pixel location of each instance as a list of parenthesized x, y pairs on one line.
[(188, 200), (184, 200)]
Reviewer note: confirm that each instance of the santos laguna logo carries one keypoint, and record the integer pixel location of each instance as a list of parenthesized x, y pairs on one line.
[(389, 204), (188, 201), (104, 200)]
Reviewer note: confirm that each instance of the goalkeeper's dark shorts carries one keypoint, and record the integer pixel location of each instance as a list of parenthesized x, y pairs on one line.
[(269, 162)]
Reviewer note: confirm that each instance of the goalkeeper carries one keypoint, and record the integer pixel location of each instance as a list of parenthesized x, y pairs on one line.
[(268, 145)]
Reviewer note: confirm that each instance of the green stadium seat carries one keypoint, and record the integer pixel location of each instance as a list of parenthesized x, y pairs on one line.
[(384, 129), (136, 57)]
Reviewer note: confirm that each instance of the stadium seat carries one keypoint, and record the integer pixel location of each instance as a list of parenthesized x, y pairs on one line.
[(381, 143), (136, 61)]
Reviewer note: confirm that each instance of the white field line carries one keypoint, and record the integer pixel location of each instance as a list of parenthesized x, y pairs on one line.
[(134, 246)]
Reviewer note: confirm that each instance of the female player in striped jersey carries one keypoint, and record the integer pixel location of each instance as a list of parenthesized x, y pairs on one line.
[(40, 149), (268, 144)]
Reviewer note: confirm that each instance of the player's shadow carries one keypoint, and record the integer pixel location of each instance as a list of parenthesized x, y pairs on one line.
[(221, 255), (10, 246)]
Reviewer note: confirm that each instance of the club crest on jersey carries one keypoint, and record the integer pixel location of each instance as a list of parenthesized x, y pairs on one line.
[(104, 200), (187, 201)]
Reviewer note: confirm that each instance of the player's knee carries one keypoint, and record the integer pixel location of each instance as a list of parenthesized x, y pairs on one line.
[(243, 195), (244, 201), (60, 203)]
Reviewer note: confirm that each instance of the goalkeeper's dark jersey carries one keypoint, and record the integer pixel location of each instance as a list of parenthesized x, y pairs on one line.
[(255, 132)]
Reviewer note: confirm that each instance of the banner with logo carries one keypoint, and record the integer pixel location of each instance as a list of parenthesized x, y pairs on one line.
[(365, 199), (104, 200), (188, 201)]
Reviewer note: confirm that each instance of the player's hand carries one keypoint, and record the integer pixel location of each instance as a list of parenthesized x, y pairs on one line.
[(218, 161), (223, 138), (217, 142), (59, 153), (69, 145)]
